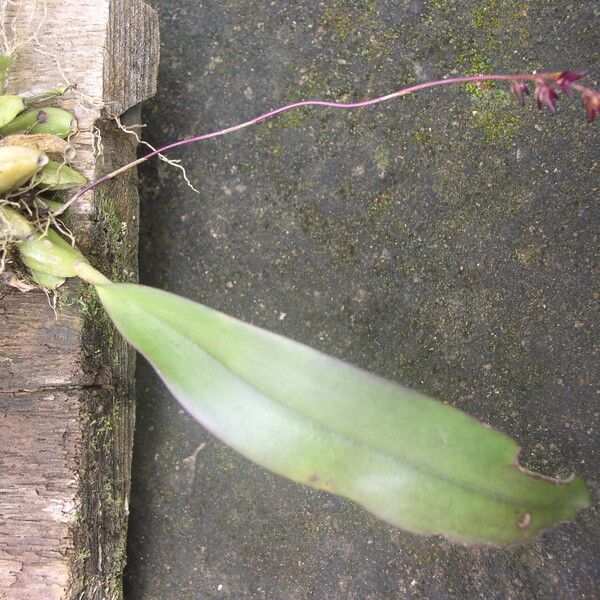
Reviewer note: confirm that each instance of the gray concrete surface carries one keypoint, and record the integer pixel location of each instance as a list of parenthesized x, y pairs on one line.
[(447, 241)]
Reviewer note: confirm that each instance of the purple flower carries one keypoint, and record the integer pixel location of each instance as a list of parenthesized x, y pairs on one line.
[(545, 95), (591, 103), (519, 89), (565, 80)]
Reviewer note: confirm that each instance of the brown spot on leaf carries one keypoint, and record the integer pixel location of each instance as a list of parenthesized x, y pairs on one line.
[(322, 483), (524, 521)]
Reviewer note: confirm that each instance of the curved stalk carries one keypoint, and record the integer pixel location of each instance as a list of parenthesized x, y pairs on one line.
[(539, 78)]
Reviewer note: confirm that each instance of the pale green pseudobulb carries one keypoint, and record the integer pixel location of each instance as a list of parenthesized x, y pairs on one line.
[(43, 120), (18, 165), (58, 176), (50, 254), (10, 107), (44, 204), (14, 226), (49, 282), (50, 258)]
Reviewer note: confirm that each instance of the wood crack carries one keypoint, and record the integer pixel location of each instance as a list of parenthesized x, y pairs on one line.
[(59, 388)]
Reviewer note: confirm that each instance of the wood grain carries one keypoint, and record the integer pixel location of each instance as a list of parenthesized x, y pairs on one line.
[(66, 378)]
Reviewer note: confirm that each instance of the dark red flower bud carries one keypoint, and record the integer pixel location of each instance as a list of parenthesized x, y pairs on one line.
[(591, 103), (545, 95), (519, 89), (565, 80)]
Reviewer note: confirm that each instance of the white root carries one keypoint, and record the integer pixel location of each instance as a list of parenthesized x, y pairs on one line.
[(173, 162)]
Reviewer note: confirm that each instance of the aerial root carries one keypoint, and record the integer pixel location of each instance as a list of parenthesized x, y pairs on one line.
[(170, 161)]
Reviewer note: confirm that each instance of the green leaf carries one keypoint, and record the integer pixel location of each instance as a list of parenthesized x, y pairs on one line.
[(418, 464)]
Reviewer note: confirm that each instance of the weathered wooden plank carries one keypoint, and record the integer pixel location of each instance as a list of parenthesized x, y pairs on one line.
[(31, 337), (131, 67), (66, 381), (38, 491)]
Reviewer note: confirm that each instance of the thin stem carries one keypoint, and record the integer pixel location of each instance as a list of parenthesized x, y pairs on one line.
[(85, 271), (282, 109)]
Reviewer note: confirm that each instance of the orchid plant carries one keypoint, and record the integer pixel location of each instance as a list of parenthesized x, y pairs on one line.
[(417, 463)]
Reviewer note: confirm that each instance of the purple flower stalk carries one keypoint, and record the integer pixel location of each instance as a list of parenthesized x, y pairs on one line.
[(547, 88)]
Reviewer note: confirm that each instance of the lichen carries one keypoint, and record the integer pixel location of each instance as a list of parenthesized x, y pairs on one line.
[(496, 115), (492, 108), (102, 430)]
